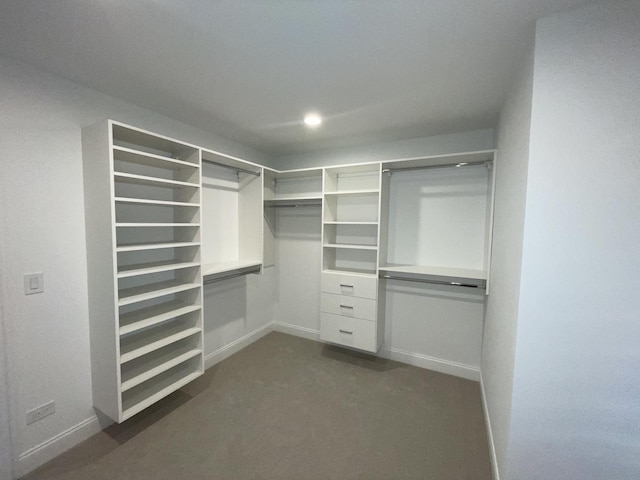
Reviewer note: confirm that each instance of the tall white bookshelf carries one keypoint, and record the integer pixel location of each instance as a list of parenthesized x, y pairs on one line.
[(350, 243), (143, 229)]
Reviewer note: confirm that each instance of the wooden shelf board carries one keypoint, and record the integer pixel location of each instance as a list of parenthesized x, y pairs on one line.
[(368, 191), (124, 177), (147, 292), (137, 345), (158, 365), (145, 201), (228, 267), (350, 246), (140, 157), (143, 225), (437, 274), (354, 271), (144, 399), (155, 267), (333, 222), (147, 317), (154, 246)]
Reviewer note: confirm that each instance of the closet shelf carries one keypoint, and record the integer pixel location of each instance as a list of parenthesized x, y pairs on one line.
[(155, 267), (332, 222), (146, 201), (159, 366), (350, 246), (168, 383), (139, 157), (147, 317), (137, 345), (351, 271), (147, 292), (154, 246), (156, 224), (123, 177), (212, 272), (368, 191), (294, 202), (462, 277)]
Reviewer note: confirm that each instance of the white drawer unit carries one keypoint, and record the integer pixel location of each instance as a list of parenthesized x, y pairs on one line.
[(350, 285), (347, 306), (350, 332)]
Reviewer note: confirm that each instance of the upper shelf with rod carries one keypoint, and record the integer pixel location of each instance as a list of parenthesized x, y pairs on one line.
[(294, 188), (440, 161), (232, 163)]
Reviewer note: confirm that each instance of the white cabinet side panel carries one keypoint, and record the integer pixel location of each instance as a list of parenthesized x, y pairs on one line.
[(99, 217)]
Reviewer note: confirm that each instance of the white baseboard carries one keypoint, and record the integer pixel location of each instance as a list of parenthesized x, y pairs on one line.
[(296, 330), (431, 363), (487, 422), (237, 345), (49, 449)]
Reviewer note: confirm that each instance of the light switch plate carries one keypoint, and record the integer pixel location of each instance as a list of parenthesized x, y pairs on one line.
[(33, 283)]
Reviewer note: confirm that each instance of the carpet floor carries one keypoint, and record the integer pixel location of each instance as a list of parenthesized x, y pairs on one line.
[(290, 408)]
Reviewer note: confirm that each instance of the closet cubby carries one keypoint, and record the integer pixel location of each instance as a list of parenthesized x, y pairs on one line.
[(232, 206), (142, 210), (301, 188), (294, 187)]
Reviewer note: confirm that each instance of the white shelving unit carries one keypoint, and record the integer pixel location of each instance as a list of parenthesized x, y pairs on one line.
[(232, 214), (300, 188), (437, 214), (350, 242), (142, 211)]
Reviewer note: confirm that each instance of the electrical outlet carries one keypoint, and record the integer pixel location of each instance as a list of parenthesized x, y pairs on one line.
[(41, 412)]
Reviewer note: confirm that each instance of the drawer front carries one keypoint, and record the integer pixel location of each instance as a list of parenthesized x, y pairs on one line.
[(356, 307), (351, 285), (350, 332)]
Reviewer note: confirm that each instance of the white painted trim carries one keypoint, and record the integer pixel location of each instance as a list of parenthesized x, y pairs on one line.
[(487, 422), (237, 345), (49, 449), (297, 331), (431, 363)]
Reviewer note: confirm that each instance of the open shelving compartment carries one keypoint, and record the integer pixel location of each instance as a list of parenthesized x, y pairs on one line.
[(438, 216), (299, 189), (142, 195), (351, 219), (232, 205), (350, 243)]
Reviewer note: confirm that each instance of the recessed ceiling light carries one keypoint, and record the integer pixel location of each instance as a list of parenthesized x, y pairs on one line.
[(312, 120)]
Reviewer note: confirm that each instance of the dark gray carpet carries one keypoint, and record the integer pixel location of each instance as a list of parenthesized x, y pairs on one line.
[(289, 408)]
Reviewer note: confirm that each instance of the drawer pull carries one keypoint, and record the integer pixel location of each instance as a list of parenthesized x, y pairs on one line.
[(346, 285), (348, 332), (346, 306)]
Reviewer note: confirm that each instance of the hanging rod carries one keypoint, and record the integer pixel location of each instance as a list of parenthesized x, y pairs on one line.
[(222, 276), (436, 282), (293, 203), (429, 167), (235, 169), (297, 205)]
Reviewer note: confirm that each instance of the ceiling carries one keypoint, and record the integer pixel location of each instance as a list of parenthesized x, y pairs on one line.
[(377, 70)]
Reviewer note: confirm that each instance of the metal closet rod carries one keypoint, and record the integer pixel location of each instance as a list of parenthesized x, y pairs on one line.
[(429, 167), (235, 169), (436, 282), (296, 205), (230, 276)]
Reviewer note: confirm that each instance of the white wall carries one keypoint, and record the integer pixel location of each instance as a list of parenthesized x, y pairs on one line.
[(576, 384), (42, 229), (6, 448), (415, 147), (500, 325)]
